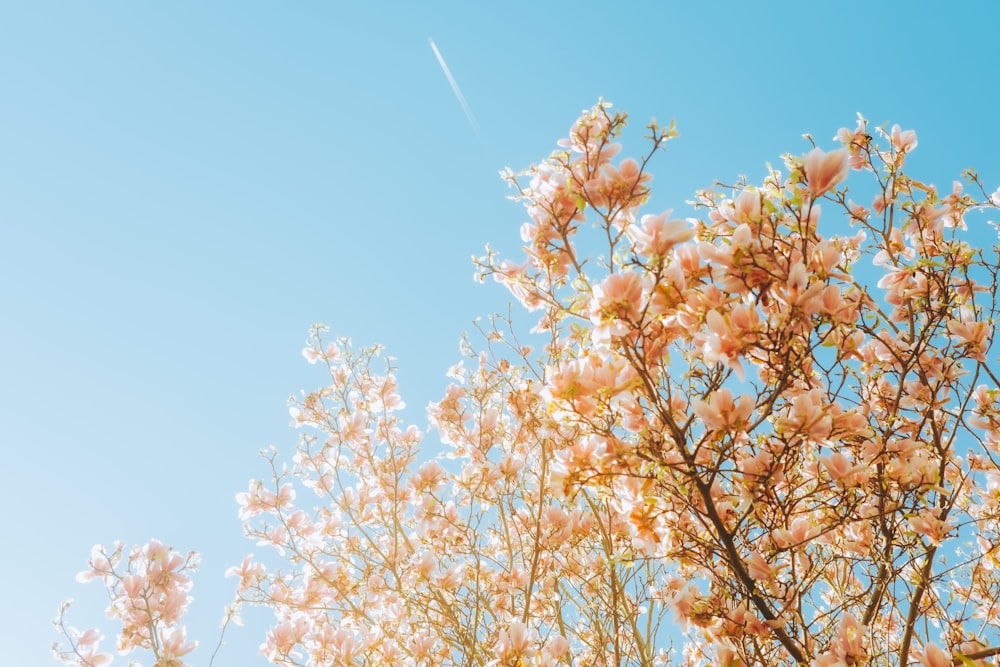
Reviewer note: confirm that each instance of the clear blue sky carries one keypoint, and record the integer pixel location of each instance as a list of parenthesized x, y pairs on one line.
[(185, 187)]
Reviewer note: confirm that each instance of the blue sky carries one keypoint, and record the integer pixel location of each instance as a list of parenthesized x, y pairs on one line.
[(186, 187)]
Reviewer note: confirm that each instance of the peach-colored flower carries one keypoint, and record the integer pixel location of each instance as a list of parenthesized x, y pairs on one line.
[(855, 141), (721, 411), (758, 568), (723, 341), (744, 208), (682, 597), (929, 524), (897, 249), (934, 656), (879, 204), (756, 465), (808, 415), (972, 333), (903, 140), (517, 641), (825, 170), (655, 236), (851, 637), (847, 647), (249, 572), (428, 477), (283, 637), (101, 565), (421, 645), (726, 656), (844, 471), (618, 301), (800, 531), (557, 647), (173, 645), (426, 564), (86, 652)]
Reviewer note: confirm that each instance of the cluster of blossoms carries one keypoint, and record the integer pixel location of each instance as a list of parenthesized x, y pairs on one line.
[(465, 559), (798, 436), (776, 423), (149, 595)]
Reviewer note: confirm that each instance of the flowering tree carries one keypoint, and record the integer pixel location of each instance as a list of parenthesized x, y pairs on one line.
[(779, 428)]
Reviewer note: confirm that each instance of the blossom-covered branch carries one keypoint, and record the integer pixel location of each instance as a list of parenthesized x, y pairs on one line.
[(776, 420)]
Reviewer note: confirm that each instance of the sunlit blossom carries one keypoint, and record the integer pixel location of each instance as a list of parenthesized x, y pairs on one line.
[(825, 170)]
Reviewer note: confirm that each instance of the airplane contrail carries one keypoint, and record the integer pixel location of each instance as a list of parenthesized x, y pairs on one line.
[(455, 89)]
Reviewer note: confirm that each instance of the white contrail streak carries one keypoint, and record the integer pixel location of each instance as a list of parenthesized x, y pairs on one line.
[(455, 89)]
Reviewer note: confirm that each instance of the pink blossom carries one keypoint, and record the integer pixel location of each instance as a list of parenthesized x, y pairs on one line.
[(89, 656), (618, 301), (725, 339), (101, 565), (842, 470), (801, 531), (340, 642), (929, 524), (825, 170), (85, 653), (173, 645), (934, 656), (421, 645), (744, 208), (855, 141), (897, 249), (826, 257), (655, 236), (832, 301), (517, 641), (250, 573), (972, 333), (557, 647), (758, 568), (725, 654), (452, 578), (879, 204), (721, 411), (757, 465), (848, 646), (426, 564), (389, 396), (808, 415), (254, 502), (850, 639), (283, 637), (683, 598), (429, 477), (587, 453), (903, 140), (858, 212)]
